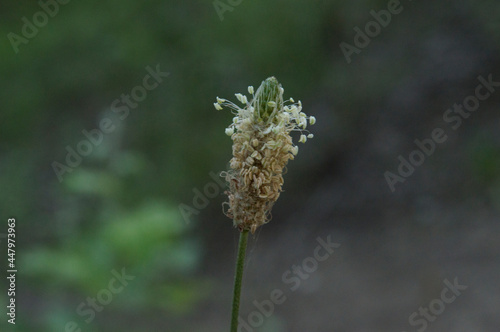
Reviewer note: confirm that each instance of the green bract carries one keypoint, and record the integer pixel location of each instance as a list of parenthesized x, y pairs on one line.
[(268, 100)]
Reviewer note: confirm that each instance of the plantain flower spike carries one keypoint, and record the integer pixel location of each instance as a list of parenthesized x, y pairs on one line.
[(262, 146)]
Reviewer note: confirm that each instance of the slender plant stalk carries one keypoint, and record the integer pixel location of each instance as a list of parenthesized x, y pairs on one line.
[(238, 277)]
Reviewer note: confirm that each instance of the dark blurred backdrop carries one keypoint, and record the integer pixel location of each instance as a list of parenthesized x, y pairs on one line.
[(108, 134)]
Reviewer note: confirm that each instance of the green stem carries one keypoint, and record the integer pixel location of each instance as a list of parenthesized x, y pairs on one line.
[(240, 262)]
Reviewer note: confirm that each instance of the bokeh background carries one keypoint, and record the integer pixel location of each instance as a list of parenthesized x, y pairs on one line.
[(119, 208)]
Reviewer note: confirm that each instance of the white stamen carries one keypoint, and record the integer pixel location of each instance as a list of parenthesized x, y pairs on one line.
[(241, 98)]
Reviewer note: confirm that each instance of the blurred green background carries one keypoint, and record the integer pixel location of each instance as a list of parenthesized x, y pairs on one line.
[(119, 208)]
